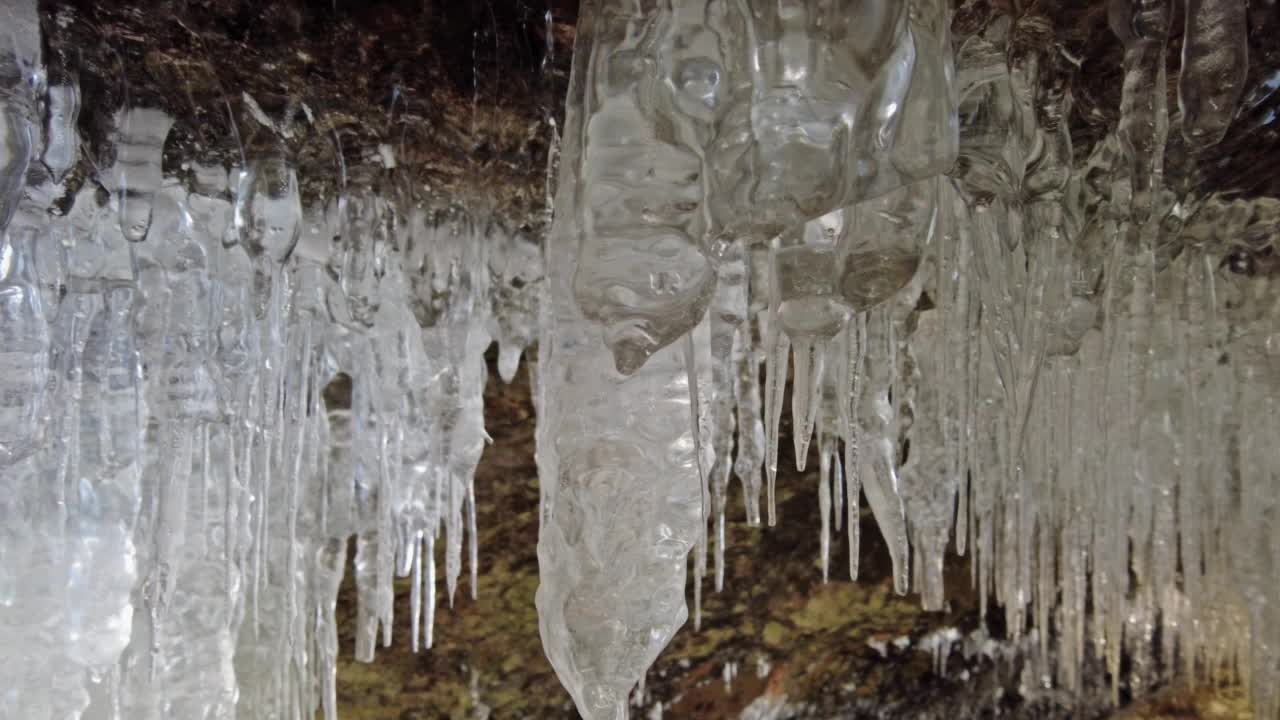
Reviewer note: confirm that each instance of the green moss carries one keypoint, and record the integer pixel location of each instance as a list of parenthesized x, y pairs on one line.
[(775, 634), (832, 606)]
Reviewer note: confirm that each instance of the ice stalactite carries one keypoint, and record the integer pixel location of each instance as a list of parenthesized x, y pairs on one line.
[(728, 321), (1143, 27), (622, 493), (1215, 63), (749, 448)]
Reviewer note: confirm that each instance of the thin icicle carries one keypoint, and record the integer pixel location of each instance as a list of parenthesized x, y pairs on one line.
[(824, 509), (700, 556), (473, 541), (806, 394), (429, 590), (415, 594), (856, 350), (775, 390), (748, 464)]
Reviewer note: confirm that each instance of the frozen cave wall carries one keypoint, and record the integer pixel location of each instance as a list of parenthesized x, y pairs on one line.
[(456, 106)]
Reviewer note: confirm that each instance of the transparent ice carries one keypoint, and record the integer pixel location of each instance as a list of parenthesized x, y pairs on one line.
[(1046, 358)]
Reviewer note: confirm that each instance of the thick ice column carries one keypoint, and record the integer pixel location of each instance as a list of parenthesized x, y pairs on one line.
[(1215, 63), (645, 275), (621, 495), (20, 70), (621, 512)]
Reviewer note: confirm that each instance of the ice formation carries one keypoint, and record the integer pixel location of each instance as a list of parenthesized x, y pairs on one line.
[(1052, 362), (178, 492)]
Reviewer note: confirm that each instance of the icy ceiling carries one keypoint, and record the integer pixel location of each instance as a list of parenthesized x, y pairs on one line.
[(1025, 315)]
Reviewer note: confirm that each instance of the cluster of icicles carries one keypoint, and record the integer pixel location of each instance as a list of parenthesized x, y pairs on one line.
[(178, 495), (1055, 375), (1070, 374)]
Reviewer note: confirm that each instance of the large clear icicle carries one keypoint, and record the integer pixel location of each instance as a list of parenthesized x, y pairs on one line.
[(25, 328), (644, 276), (621, 492), (698, 424), (810, 358), (1215, 62)]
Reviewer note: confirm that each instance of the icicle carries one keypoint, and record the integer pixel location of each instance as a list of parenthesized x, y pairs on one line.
[(618, 301), (26, 344), (695, 423), (927, 486), (1143, 26), (429, 590), (508, 361), (878, 463), (473, 541), (824, 511), (856, 348), (806, 394), (62, 142), (135, 177), (727, 320), (19, 64), (779, 350), (415, 594), (1215, 62), (749, 461)]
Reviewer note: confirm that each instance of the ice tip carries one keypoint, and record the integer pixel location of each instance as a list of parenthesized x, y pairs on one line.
[(629, 355)]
